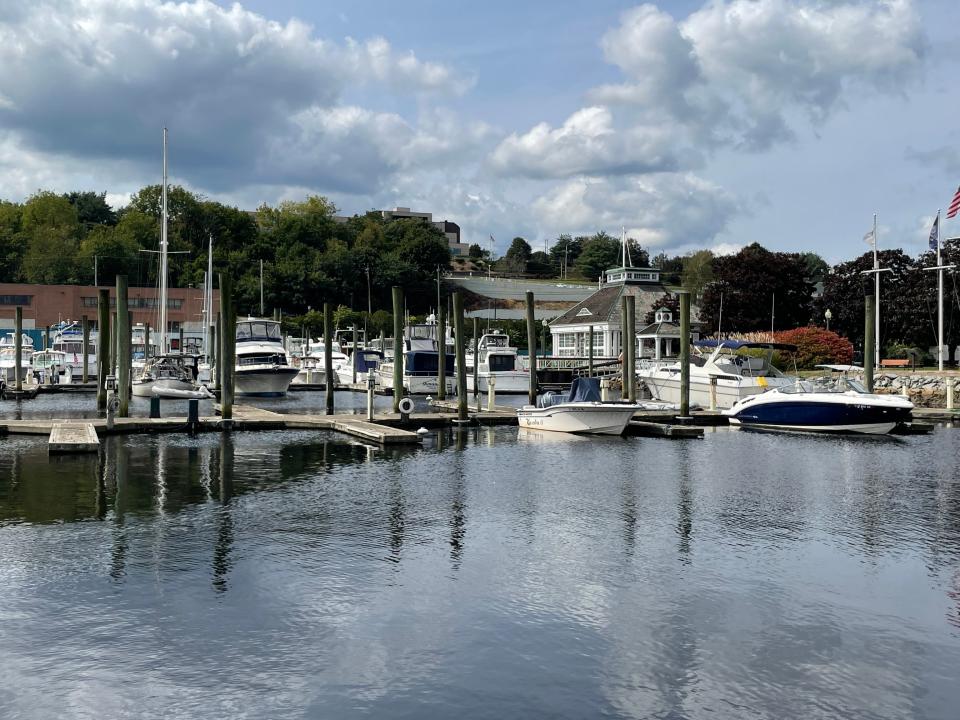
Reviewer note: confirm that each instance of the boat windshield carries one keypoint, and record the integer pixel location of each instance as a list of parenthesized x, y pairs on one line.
[(258, 330), (825, 385)]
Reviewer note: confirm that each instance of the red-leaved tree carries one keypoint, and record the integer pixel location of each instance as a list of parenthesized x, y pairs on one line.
[(816, 346)]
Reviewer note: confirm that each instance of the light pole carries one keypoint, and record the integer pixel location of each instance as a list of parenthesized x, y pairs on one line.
[(826, 316)]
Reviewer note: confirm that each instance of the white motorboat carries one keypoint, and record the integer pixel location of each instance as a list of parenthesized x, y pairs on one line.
[(579, 411), (68, 339), (363, 361), (733, 373), (263, 367), (421, 362), (175, 373), (838, 404), (312, 370), (496, 360), (50, 367), (8, 358)]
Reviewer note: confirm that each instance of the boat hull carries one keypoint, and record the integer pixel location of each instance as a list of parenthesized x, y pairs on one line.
[(666, 388), (145, 388), (506, 382), (593, 418), (859, 416), (416, 384), (263, 382)]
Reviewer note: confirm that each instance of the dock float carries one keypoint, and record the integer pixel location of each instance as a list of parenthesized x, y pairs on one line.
[(73, 438), (643, 428)]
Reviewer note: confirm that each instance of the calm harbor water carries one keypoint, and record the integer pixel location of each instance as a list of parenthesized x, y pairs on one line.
[(491, 574)]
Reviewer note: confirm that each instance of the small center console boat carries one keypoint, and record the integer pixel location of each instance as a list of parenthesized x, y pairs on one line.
[(579, 411)]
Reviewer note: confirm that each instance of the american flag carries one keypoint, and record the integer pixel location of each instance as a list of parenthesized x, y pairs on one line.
[(954, 204), (935, 233)]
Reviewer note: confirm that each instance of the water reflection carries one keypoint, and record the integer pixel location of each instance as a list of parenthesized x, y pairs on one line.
[(527, 574)]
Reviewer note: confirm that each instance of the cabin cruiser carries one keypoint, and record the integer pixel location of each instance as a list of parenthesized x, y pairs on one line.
[(50, 367), (724, 364), (497, 360), (363, 361), (172, 376), (312, 368), (421, 363), (580, 411), (262, 365), (68, 339), (837, 404), (8, 358)]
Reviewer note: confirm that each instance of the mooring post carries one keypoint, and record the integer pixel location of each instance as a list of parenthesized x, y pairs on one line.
[(353, 355), (532, 345), (46, 338), (684, 353), (459, 346), (113, 343), (85, 326), (624, 350), (103, 346), (590, 352), (146, 342), (218, 353), (371, 387), (212, 352), (632, 345), (180, 339), (328, 379), (228, 339), (476, 361), (442, 354), (492, 393), (18, 348), (948, 383), (397, 348), (713, 393), (123, 345), (869, 339)]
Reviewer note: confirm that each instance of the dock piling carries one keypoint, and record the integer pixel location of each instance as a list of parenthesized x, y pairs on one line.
[(218, 349), (353, 355), (103, 346), (590, 352), (869, 338), (442, 354), (113, 342), (85, 323), (631, 356), (532, 345), (46, 338), (18, 348), (624, 377), (492, 393), (476, 361), (459, 346), (146, 342), (397, 347), (123, 346), (228, 340), (328, 380), (684, 353)]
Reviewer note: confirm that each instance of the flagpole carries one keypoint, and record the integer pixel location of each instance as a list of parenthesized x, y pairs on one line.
[(939, 298), (876, 286)]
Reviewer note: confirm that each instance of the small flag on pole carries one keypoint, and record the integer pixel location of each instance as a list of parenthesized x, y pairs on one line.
[(869, 239), (954, 205), (935, 233)]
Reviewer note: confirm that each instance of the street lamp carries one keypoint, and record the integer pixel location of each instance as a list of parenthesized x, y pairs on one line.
[(545, 326), (827, 315)]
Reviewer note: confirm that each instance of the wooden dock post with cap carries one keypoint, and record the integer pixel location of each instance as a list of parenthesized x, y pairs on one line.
[(103, 346), (397, 347), (624, 376), (123, 346), (18, 348), (684, 353), (228, 339), (590, 352), (442, 354), (631, 355), (869, 338), (461, 357), (532, 345), (328, 380), (85, 323), (476, 359)]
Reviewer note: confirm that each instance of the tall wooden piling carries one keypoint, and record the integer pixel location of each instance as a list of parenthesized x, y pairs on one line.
[(218, 344), (353, 355), (684, 353), (397, 347), (103, 346), (632, 345), (442, 354), (459, 346), (624, 334), (590, 352), (146, 342), (869, 333), (476, 359), (123, 346), (328, 379), (228, 339), (46, 338), (18, 348), (532, 344), (85, 323), (113, 343)]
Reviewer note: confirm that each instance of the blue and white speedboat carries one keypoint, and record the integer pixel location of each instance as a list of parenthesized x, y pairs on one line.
[(837, 404)]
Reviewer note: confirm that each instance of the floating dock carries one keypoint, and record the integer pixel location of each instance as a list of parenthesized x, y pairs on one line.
[(73, 437)]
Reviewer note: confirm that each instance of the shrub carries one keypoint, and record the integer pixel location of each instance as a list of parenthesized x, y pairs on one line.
[(816, 346)]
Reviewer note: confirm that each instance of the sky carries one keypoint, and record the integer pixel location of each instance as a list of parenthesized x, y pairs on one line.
[(691, 124)]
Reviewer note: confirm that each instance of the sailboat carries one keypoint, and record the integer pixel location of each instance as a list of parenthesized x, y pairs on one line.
[(166, 375)]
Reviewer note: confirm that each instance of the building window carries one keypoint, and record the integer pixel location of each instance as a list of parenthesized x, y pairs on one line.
[(15, 299)]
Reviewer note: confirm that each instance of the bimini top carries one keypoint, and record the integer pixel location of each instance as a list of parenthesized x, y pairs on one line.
[(737, 344)]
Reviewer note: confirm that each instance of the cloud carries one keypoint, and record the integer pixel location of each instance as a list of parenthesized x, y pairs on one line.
[(96, 79), (659, 210)]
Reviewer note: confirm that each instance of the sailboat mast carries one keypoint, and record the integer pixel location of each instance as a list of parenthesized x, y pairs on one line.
[(163, 254)]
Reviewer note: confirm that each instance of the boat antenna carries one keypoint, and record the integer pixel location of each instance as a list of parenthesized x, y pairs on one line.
[(720, 321)]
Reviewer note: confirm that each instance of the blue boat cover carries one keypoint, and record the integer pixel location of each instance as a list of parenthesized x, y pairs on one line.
[(582, 390)]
